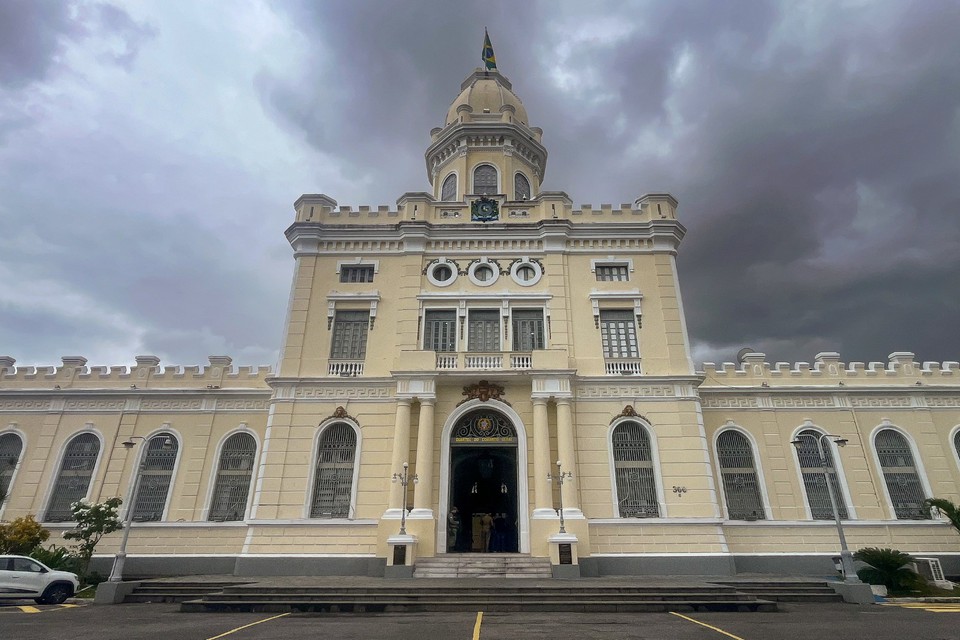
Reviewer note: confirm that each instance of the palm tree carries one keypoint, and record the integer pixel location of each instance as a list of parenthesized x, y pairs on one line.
[(947, 508), (887, 567)]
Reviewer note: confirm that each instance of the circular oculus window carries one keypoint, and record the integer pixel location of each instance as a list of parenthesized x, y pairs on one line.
[(526, 274), (483, 274), (442, 274)]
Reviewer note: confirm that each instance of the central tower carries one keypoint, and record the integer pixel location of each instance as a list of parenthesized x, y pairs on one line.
[(486, 146)]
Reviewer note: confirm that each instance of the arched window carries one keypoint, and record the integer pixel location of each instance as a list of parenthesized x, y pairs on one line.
[(815, 473), (10, 448), (521, 187), (956, 442), (633, 467), (485, 180), (740, 484), (900, 475), (448, 191), (333, 482), (155, 475), (73, 481), (233, 478)]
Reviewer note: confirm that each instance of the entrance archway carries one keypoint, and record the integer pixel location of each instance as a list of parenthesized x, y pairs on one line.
[(483, 471)]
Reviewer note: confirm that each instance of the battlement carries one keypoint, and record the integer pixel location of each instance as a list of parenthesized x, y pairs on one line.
[(827, 369), (147, 373), (548, 205)]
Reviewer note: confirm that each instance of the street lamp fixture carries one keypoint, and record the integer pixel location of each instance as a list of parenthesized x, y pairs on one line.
[(404, 481), (560, 476), (846, 558), (116, 573)]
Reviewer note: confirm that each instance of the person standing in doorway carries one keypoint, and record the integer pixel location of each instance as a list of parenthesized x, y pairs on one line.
[(486, 527), (453, 529)]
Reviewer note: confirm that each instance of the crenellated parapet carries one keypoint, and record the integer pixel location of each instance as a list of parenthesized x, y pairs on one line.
[(147, 373), (901, 368)]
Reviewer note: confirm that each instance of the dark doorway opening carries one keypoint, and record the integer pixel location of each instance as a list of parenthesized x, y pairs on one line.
[(484, 491)]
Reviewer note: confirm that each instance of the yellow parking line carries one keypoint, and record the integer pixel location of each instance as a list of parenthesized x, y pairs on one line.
[(704, 624), (476, 626), (28, 609), (246, 626)]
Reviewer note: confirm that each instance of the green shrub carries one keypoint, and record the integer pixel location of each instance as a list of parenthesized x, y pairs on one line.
[(889, 568), (56, 557), (22, 536)]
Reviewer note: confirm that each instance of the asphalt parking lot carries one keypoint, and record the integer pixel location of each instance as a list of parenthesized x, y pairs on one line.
[(794, 622)]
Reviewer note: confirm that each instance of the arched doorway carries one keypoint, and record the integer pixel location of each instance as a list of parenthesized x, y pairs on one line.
[(483, 484)]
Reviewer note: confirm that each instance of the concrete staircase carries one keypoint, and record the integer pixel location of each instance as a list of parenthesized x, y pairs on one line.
[(177, 591), (786, 590), (482, 565)]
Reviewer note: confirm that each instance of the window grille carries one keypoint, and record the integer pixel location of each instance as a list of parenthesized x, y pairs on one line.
[(350, 335), (740, 484), (233, 478), (633, 467), (485, 180), (333, 482), (440, 331), (815, 474), (956, 442), (618, 334), (10, 448), (72, 483), (900, 475), (448, 191), (612, 273), (528, 329), (484, 331), (155, 473), (360, 273), (521, 187)]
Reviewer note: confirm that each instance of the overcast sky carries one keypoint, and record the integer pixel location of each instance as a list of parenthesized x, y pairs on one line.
[(150, 153)]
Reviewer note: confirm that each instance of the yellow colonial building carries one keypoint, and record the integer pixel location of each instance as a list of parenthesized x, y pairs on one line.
[(511, 353)]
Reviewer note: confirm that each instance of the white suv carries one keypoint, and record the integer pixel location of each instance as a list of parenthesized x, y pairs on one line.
[(23, 577)]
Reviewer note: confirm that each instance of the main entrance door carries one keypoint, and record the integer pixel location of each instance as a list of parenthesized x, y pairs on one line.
[(483, 485)]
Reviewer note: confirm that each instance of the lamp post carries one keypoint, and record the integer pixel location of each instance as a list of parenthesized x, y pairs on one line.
[(404, 481), (846, 558), (116, 573), (560, 476)]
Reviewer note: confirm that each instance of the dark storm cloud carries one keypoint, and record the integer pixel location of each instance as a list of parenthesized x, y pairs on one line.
[(814, 148), (30, 32)]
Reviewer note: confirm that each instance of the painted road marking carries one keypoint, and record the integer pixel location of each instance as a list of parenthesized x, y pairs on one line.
[(28, 609), (247, 626), (31, 609), (936, 607), (704, 624), (476, 626)]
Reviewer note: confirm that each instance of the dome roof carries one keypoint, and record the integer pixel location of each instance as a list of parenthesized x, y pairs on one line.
[(487, 92)]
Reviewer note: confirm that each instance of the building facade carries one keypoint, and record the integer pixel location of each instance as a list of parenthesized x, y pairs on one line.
[(492, 339)]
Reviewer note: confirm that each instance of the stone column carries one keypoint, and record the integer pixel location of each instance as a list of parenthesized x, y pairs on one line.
[(423, 490), (401, 449), (565, 452), (543, 500)]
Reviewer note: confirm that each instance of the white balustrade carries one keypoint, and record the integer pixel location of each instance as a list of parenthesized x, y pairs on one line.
[(625, 367), (345, 368)]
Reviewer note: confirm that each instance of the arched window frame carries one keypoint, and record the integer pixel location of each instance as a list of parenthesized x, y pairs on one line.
[(52, 485), (955, 444), (141, 454), (473, 178), (254, 472), (844, 496), (521, 174), (16, 469), (757, 467), (917, 464), (314, 461), (655, 459), (456, 186)]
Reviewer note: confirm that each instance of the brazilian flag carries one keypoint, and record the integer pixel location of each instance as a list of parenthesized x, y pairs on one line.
[(488, 58)]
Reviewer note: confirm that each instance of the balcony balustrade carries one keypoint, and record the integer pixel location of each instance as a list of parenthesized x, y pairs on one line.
[(622, 367), (345, 368)]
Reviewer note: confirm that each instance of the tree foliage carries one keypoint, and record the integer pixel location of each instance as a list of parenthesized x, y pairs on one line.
[(57, 557), (93, 521), (887, 567), (22, 536), (949, 510)]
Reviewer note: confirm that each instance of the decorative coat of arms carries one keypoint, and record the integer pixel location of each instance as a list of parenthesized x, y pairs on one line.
[(484, 210), (483, 391)]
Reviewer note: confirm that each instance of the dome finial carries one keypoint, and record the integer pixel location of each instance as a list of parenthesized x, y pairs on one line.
[(487, 54)]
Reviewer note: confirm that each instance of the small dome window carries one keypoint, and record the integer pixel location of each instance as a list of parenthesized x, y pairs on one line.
[(442, 273), (521, 187), (485, 180), (448, 192)]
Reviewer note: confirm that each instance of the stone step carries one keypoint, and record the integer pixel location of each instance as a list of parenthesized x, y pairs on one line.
[(483, 565)]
